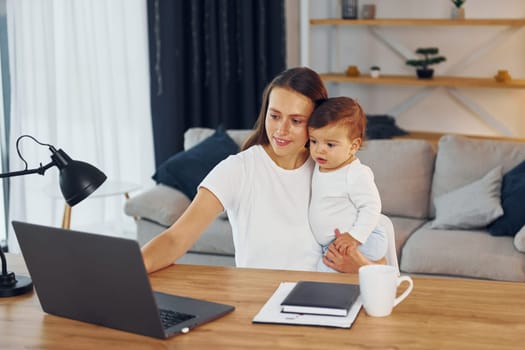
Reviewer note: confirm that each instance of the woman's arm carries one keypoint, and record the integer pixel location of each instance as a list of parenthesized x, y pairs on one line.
[(174, 242), (349, 262)]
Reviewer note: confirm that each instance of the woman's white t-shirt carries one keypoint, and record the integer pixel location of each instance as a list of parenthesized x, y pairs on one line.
[(268, 210)]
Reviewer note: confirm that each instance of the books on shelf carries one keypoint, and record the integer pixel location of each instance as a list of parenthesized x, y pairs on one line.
[(321, 298), (271, 312)]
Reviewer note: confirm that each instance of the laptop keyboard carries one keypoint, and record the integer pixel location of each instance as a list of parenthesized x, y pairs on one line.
[(170, 318)]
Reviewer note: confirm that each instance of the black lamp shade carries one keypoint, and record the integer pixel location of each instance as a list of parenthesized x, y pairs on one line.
[(77, 179)]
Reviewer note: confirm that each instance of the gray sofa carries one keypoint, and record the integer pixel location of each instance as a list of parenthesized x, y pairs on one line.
[(410, 175)]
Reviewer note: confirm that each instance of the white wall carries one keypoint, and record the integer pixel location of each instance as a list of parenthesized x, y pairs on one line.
[(333, 48)]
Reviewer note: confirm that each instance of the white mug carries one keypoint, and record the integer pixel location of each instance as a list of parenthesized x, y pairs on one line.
[(378, 285)]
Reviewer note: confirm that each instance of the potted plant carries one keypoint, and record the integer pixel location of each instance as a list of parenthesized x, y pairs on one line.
[(458, 11), (424, 72), (375, 71)]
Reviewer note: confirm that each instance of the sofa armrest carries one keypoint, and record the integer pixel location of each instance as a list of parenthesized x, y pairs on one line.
[(162, 204)]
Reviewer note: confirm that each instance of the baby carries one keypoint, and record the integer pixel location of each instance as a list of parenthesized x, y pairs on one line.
[(344, 195)]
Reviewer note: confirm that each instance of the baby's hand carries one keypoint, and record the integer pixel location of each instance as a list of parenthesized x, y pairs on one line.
[(345, 243)]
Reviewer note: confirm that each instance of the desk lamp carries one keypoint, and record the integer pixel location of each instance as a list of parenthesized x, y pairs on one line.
[(77, 181)]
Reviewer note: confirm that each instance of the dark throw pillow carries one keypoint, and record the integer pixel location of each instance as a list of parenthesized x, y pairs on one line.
[(382, 127), (185, 170), (512, 198)]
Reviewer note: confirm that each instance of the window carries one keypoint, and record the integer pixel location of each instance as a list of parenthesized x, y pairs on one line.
[(4, 120)]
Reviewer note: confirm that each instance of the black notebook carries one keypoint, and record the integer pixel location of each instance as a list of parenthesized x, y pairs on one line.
[(321, 298)]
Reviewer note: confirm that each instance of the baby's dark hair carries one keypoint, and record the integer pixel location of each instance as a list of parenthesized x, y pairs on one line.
[(343, 111)]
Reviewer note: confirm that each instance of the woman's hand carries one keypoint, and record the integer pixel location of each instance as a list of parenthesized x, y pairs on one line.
[(349, 262), (345, 243)]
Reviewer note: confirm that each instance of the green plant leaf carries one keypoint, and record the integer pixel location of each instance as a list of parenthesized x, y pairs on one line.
[(428, 60), (427, 51), (458, 3)]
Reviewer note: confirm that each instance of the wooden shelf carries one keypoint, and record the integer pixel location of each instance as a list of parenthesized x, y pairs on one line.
[(433, 137), (520, 22), (414, 81), (379, 28)]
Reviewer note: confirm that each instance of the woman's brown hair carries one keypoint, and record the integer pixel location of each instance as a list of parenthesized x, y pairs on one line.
[(302, 80)]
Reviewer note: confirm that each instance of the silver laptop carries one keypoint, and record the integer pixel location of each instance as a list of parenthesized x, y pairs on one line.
[(102, 280)]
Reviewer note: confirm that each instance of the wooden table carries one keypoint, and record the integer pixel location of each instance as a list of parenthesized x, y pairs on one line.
[(439, 314)]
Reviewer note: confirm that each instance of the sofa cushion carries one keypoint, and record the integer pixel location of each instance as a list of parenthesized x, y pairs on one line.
[(519, 240), (512, 200), (216, 239), (462, 253), (403, 228), (185, 170), (193, 136), (147, 230), (472, 206), (462, 160), (206, 259), (403, 173), (161, 204)]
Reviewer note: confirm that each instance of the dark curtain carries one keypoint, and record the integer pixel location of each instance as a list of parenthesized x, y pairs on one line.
[(210, 61)]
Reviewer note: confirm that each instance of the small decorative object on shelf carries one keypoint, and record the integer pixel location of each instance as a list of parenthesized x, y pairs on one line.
[(458, 11), (425, 72), (349, 9), (368, 11), (352, 71), (375, 71), (503, 76)]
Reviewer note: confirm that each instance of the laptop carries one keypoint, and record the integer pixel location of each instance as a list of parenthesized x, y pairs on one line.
[(102, 280)]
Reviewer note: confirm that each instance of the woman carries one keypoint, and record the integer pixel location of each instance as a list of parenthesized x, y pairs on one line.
[(265, 189)]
